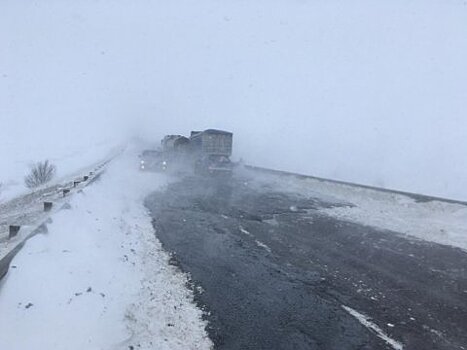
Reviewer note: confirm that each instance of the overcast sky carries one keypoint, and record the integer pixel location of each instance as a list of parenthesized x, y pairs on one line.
[(367, 91)]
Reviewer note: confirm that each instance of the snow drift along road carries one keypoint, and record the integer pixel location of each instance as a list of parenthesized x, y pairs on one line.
[(100, 279)]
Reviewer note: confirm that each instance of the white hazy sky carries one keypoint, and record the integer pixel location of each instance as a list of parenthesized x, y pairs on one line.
[(367, 91)]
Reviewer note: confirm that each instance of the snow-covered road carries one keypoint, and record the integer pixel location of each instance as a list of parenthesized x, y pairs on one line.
[(99, 279)]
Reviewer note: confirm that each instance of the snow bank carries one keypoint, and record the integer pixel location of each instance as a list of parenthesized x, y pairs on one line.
[(435, 221), (100, 279)]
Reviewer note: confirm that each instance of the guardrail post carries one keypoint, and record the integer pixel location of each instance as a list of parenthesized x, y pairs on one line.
[(65, 192), (75, 183), (14, 229), (48, 206)]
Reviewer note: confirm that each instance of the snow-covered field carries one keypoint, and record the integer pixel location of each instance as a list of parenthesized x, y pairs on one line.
[(100, 279), (69, 157), (435, 221)]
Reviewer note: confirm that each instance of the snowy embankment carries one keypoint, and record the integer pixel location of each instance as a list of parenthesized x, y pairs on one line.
[(99, 278), (436, 221)]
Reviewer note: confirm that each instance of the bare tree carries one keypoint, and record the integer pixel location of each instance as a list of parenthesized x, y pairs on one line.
[(41, 173)]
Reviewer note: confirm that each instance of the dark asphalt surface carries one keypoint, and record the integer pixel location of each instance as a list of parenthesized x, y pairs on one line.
[(275, 274)]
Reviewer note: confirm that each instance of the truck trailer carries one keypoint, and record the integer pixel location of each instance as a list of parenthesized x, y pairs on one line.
[(211, 150)]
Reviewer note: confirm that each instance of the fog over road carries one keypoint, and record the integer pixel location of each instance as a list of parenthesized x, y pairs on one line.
[(274, 273)]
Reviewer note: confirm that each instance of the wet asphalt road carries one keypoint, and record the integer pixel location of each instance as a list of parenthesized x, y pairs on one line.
[(273, 273)]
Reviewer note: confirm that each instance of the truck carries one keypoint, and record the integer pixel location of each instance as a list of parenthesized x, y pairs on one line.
[(211, 150), (204, 152), (171, 156), (151, 160), (175, 144)]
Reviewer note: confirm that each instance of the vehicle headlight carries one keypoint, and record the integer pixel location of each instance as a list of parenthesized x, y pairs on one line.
[(142, 162), (164, 163)]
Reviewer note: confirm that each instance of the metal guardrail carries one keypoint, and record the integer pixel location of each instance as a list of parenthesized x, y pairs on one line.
[(48, 201), (6, 260)]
